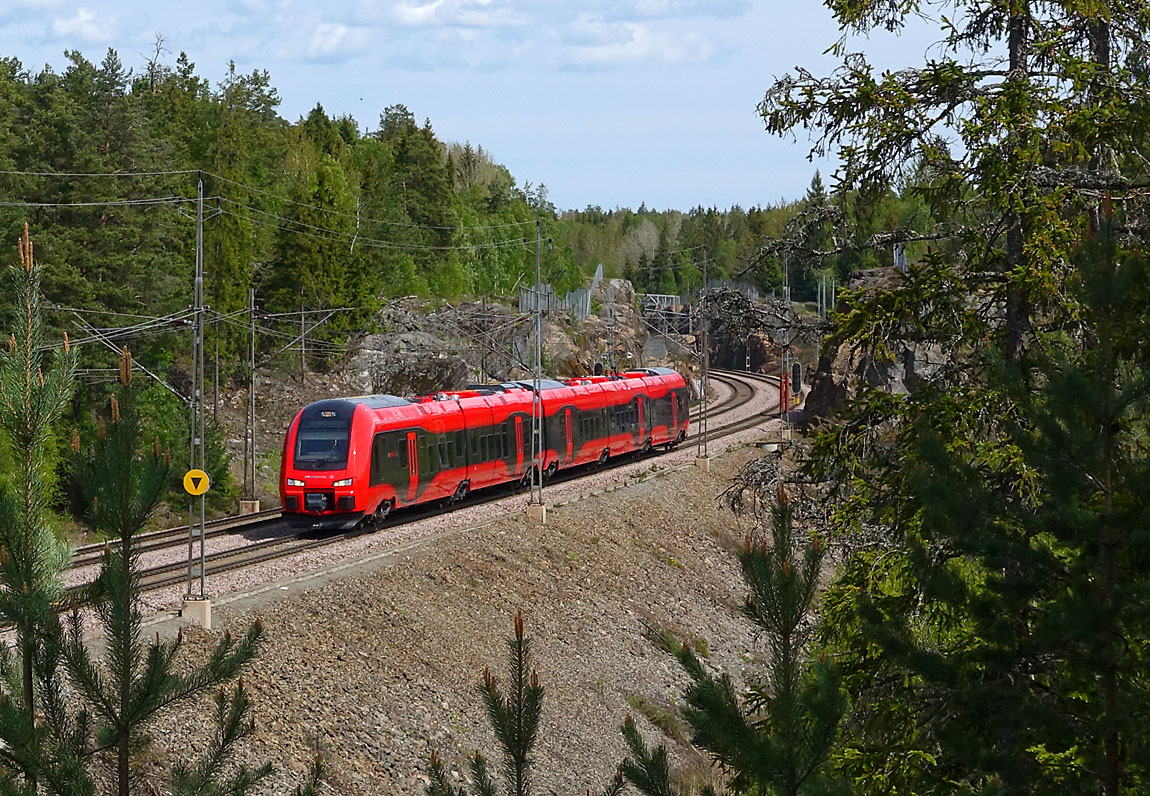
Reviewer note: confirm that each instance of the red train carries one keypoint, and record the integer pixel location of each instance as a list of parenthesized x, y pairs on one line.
[(347, 459)]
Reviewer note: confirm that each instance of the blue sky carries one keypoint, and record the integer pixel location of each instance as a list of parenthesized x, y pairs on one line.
[(607, 102)]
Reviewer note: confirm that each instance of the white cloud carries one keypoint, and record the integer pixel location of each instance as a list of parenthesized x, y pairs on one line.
[(680, 9), (336, 41), (87, 26), (425, 14), (641, 46), (460, 13)]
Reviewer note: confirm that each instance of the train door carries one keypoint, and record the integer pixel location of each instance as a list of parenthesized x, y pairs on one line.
[(570, 434), (674, 399), (518, 445), (642, 422), (412, 466)]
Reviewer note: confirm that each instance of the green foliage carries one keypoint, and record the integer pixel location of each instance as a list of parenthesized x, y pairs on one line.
[(777, 736), (514, 717), (662, 716), (988, 553), (122, 486), (31, 557)]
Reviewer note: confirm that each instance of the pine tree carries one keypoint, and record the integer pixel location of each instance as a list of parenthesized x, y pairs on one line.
[(514, 717), (31, 556), (122, 487), (777, 736)]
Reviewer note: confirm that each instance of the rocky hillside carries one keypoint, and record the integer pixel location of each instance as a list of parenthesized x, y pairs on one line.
[(423, 347), (378, 668)]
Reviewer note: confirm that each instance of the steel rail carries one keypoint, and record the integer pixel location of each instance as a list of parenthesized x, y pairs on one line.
[(299, 540)]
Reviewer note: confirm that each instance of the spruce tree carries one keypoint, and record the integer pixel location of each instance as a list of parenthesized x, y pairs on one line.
[(123, 482), (31, 556), (1039, 680)]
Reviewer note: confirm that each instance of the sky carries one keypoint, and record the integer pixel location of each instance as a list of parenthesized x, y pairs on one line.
[(606, 102)]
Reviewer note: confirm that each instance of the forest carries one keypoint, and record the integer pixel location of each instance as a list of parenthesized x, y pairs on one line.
[(312, 214), (951, 579)]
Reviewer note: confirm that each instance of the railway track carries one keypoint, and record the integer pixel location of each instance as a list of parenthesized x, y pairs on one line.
[(280, 541)]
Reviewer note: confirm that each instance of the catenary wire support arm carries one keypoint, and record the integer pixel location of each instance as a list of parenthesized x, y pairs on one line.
[(103, 340), (537, 398)]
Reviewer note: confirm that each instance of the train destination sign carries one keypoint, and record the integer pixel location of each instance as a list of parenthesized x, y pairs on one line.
[(196, 482)]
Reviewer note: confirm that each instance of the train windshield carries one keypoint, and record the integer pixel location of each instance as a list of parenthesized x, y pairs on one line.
[(322, 443)]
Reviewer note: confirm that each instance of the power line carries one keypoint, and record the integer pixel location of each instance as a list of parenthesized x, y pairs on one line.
[(359, 218), (343, 237), (159, 200), (96, 174)]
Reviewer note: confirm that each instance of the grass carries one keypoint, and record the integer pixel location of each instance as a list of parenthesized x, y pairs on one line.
[(662, 716)]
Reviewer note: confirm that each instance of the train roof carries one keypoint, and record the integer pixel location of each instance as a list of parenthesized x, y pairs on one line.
[(544, 384), (494, 389), (379, 401), (345, 407)]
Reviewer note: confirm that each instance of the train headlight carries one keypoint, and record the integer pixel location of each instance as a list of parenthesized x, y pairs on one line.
[(343, 482), (294, 482)]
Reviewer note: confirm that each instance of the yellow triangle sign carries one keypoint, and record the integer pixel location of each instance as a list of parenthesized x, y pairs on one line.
[(196, 482)]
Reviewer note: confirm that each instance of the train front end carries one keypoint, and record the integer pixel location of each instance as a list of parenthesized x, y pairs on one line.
[(319, 466)]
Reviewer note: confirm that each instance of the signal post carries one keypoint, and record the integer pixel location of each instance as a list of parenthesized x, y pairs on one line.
[(197, 609)]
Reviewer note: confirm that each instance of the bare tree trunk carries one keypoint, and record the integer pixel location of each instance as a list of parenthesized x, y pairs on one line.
[(1017, 302)]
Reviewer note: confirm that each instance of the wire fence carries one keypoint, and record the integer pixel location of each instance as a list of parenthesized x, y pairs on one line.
[(542, 297)]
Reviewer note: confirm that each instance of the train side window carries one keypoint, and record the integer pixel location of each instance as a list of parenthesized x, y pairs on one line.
[(424, 456), (378, 459)]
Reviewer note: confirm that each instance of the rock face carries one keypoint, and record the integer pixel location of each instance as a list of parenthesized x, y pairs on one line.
[(425, 346), (400, 364), (840, 369)]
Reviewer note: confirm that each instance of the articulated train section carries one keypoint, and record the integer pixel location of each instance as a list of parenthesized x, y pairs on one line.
[(742, 402)]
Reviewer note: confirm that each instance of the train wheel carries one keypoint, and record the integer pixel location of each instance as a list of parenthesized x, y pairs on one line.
[(603, 457), (525, 481), (460, 492), (552, 468), (646, 446), (381, 513)]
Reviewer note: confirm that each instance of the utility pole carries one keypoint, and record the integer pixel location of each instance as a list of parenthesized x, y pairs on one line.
[(195, 600), (785, 353), (216, 380), (535, 506), (302, 344), (249, 504), (611, 326), (702, 456)]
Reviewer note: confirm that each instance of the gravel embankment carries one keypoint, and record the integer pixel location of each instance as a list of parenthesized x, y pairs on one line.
[(380, 666)]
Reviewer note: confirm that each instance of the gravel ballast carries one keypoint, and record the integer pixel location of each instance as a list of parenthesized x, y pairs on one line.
[(380, 665)]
